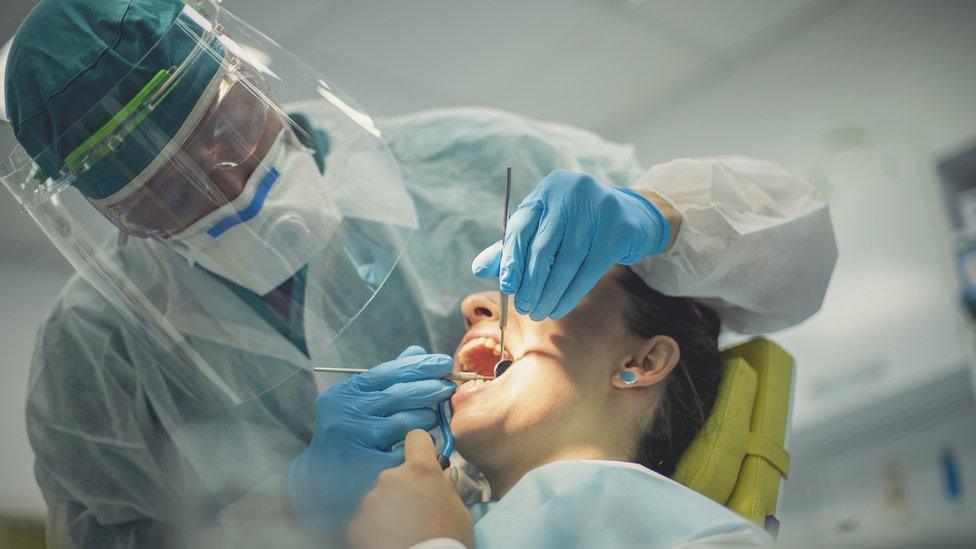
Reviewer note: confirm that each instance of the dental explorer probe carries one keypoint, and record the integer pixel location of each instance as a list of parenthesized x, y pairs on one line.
[(503, 364), (454, 376)]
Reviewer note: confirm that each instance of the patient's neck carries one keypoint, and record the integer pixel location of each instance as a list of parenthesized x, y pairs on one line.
[(504, 474)]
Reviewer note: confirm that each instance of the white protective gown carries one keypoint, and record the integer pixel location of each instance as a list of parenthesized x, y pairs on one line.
[(125, 458)]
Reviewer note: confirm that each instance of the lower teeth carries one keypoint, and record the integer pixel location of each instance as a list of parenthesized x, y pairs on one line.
[(472, 384)]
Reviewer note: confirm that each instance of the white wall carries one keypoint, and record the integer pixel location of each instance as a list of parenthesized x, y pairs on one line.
[(863, 104)]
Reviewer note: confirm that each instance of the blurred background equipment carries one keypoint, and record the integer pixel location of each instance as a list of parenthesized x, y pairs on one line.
[(898, 474), (22, 533), (958, 174), (870, 100)]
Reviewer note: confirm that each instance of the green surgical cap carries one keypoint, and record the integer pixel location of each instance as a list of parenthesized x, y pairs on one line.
[(74, 63)]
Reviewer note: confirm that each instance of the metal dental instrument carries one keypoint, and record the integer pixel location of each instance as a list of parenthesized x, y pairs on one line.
[(454, 376), (503, 364)]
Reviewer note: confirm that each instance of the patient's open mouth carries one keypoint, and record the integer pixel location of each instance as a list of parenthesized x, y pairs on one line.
[(480, 355)]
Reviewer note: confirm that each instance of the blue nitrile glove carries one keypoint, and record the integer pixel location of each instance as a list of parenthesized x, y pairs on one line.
[(564, 236), (357, 421)]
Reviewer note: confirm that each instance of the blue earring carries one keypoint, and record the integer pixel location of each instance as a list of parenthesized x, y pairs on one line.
[(627, 377)]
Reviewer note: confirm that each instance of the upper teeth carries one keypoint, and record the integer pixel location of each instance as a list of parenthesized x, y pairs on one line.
[(487, 342)]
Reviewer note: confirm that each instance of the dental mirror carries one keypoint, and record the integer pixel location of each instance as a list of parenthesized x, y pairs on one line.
[(501, 366)]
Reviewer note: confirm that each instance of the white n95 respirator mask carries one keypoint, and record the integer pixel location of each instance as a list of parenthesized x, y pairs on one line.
[(283, 216)]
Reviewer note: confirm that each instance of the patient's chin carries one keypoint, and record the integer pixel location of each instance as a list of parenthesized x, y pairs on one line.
[(474, 430), (476, 446), (464, 426)]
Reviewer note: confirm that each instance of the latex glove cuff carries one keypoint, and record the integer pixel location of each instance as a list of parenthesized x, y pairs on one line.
[(656, 224)]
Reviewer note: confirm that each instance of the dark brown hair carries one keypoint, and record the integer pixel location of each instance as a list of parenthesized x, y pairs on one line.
[(689, 391)]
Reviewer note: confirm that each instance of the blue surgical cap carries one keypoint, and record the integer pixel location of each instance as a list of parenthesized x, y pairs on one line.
[(74, 63)]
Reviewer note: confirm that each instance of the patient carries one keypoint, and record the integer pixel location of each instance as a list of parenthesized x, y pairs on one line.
[(577, 438), (563, 397)]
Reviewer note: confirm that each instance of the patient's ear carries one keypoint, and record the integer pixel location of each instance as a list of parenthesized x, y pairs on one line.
[(649, 365)]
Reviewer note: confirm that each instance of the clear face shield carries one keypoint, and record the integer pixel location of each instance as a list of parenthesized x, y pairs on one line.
[(236, 209)]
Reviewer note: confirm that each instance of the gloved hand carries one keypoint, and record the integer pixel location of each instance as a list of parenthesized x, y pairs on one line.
[(564, 236), (356, 423)]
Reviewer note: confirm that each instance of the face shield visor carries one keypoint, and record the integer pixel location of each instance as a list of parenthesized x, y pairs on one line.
[(208, 169), (236, 208)]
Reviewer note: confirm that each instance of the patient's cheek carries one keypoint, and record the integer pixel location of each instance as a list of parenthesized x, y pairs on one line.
[(573, 342), (593, 330)]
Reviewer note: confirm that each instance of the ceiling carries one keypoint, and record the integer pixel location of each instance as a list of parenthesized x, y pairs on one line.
[(592, 63)]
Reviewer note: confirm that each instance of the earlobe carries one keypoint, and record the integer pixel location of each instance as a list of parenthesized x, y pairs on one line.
[(651, 365)]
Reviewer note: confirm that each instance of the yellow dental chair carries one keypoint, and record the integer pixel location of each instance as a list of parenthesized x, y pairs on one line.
[(739, 456)]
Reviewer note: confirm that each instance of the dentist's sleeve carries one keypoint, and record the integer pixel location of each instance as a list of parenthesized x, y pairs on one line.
[(755, 244)]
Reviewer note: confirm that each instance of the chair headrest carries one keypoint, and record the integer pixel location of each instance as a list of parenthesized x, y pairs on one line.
[(738, 458)]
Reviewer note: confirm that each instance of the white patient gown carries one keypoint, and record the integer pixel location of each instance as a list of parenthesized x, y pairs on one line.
[(609, 504)]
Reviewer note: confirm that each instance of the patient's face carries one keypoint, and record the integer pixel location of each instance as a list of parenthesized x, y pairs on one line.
[(556, 390)]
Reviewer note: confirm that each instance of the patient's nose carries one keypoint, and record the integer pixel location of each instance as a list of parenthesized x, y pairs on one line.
[(479, 307)]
